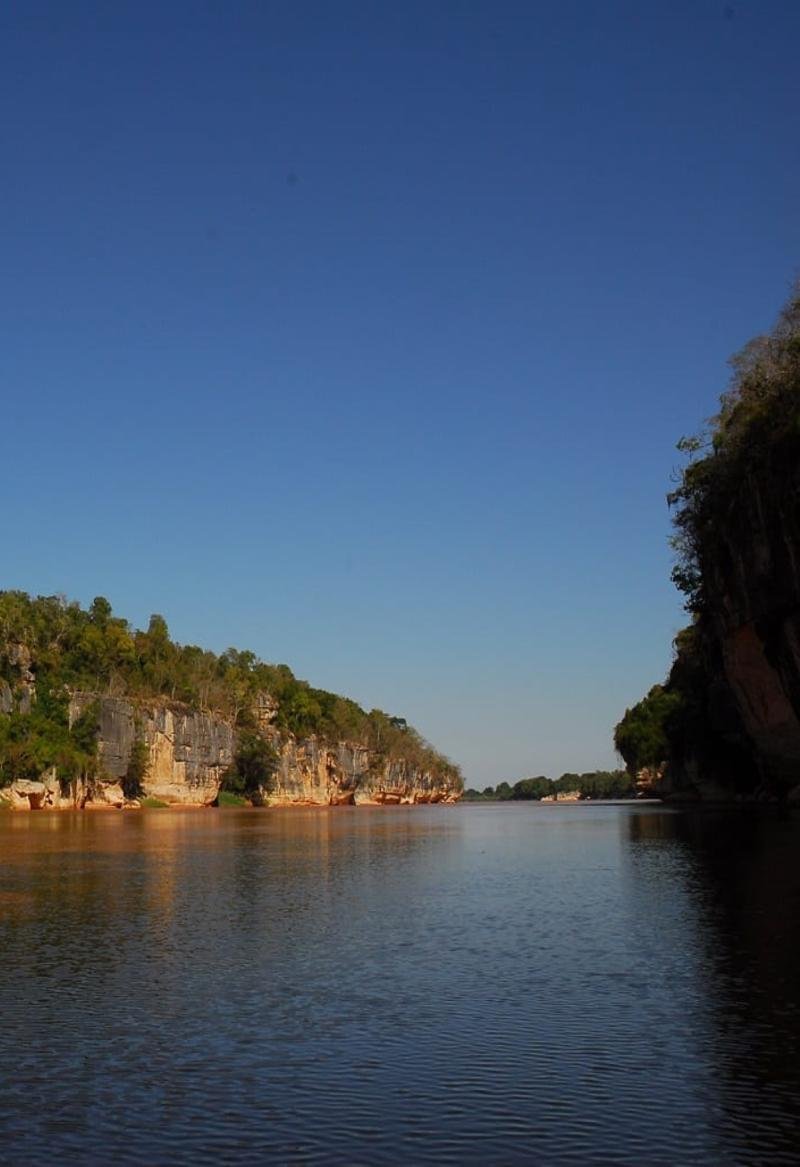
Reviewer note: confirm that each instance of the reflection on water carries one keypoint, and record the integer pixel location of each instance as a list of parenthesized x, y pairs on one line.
[(573, 984), (742, 875)]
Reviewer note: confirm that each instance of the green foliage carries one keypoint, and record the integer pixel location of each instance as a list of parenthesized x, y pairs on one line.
[(531, 788), (254, 765), (225, 798), (603, 784), (642, 736), (33, 743), (154, 804), (85, 728), (689, 717), (755, 434), (489, 794), (595, 784)]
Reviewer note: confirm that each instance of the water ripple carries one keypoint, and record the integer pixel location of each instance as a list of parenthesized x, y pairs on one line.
[(471, 985)]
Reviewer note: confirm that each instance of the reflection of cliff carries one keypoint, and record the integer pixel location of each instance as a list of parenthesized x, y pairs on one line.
[(739, 874)]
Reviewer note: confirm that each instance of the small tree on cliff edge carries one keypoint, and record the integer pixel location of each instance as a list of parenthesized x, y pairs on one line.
[(138, 764), (253, 766)]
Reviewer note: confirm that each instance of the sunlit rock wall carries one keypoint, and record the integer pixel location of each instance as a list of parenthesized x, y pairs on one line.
[(317, 773), (188, 751)]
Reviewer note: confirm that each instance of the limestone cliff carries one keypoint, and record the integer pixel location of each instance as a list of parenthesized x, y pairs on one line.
[(95, 712), (313, 772), (188, 753)]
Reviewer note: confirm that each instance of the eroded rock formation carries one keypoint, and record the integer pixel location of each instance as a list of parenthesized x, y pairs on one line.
[(188, 753), (317, 773)]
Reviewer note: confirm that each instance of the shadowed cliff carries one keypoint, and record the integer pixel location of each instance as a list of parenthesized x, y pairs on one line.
[(726, 723)]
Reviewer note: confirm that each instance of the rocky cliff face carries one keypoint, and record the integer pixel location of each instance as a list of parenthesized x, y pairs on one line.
[(316, 773), (747, 647), (188, 753), (753, 628)]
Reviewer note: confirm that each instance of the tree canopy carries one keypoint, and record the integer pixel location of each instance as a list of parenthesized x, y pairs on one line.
[(755, 431)]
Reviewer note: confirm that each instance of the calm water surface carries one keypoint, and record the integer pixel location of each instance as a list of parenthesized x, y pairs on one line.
[(486, 984)]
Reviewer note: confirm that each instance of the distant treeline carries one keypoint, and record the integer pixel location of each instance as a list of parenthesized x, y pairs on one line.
[(595, 784)]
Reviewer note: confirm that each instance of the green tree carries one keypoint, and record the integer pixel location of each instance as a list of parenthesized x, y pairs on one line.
[(531, 788), (85, 729), (253, 766), (138, 765), (100, 611), (642, 736)]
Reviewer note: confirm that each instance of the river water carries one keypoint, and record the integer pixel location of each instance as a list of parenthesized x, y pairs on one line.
[(473, 984)]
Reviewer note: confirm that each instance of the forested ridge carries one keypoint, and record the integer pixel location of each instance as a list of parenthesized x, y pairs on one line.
[(52, 648)]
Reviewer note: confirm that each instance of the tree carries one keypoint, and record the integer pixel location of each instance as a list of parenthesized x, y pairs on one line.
[(138, 765), (85, 729), (253, 766), (642, 736), (100, 611), (532, 788)]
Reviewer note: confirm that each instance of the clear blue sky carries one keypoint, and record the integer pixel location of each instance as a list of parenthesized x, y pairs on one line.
[(361, 334)]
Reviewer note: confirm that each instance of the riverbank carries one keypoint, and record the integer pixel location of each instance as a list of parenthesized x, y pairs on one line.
[(26, 795)]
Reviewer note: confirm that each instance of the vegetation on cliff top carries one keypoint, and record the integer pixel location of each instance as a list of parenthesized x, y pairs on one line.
[(59, 647), (756, 429), (750, 451)]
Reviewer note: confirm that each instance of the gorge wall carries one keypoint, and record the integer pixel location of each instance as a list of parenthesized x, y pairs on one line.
[(742, 671), (726, 723), (189, 751)]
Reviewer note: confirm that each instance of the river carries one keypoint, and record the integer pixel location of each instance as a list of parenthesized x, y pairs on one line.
[(472, 984)]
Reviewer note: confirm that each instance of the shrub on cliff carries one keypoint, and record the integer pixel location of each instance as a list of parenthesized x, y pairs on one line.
[(253, 766), (138, 765), (31, 743)]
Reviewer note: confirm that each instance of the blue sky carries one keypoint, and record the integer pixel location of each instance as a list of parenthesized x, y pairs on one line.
[(361, 335)]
